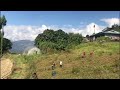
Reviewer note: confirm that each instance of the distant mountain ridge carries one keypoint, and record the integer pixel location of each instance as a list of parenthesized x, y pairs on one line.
[(21, 45)]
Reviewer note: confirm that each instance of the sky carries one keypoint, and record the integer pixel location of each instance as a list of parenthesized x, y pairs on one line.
[(26, 25)]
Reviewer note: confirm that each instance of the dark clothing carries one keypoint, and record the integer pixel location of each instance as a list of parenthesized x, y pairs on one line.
[(53, 73), (84, 53), (91, 53), (61, 66), (52, 67), (54, 64), (35, 76)]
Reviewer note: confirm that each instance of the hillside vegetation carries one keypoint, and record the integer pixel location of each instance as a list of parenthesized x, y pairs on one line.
[(100, 59), (103, 63), (54, 41)]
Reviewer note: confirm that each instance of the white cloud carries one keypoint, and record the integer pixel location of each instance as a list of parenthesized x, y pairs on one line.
[(23, 32), (67, 25), (28, 32), (111, 21), (88, 30)]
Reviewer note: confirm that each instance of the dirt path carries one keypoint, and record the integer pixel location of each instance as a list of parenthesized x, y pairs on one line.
[(5, 68)]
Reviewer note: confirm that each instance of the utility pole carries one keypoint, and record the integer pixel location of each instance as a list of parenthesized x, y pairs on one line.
[(94, 29), (0, 36), (94, 33)]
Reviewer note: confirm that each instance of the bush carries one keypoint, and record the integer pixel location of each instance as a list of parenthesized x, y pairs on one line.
[(75, 70), (100, 53), (85, 40), (110, 53), (103, 39), (46, 47), (97, 71), (51, 40), (6, 45)]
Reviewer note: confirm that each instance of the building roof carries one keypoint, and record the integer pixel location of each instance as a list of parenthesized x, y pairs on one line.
[(107, 32), (112, 32)]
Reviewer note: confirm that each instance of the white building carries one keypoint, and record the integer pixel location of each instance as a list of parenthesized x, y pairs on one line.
[(31, 50)]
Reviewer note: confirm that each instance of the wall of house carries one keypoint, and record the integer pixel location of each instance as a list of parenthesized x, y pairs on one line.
[(113, 37)]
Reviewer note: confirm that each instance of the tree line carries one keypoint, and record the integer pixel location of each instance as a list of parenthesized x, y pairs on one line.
[(49, 40), (57, 40)]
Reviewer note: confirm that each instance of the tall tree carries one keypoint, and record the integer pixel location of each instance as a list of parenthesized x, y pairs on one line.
[(3, 22), (5, 44), (58, 40)]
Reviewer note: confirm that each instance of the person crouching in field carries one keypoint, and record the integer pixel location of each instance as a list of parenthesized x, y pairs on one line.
[(61, 64), (35, 76), (91, 53), (83, 55), (53, 66)]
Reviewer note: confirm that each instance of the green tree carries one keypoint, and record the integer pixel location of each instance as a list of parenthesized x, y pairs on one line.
[(5, 44), (75, 38), (61, 39), (52, 39), (50, 35), (46, 47), (3, 22), (57, 40)]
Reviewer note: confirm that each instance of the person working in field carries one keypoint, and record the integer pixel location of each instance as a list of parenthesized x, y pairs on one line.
[(61, 64), (91, 53), (83, 55), (35, 76), (53, 74), (53, 66)]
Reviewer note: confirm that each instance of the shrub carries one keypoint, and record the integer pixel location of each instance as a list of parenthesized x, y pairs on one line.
[(75, 70), (110, 53), (103, 39), (47, 46), (57, 40), (97, 71), (100, 53)]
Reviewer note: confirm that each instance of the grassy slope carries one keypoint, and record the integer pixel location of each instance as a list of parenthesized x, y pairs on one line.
[(103, 63)]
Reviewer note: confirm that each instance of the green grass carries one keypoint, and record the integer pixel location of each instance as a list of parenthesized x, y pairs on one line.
[(104, 64)]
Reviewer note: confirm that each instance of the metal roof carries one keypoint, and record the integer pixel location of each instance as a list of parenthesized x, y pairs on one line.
[(112, 32), (107, 32)]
